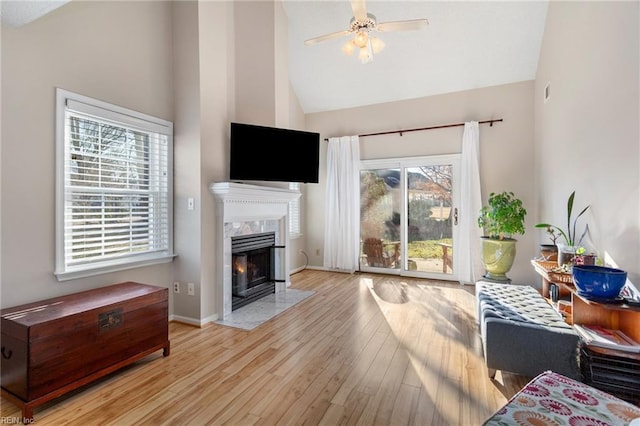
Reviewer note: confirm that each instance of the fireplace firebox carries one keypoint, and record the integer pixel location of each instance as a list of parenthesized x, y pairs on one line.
[(253, 267)]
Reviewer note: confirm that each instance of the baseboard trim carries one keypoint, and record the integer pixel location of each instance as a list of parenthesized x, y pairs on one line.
[(296, 270), (322, 268), (192, 321)]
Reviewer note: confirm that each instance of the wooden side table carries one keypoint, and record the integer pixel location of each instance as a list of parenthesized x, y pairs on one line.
[(563, 280), (619, 316), (603, 368)]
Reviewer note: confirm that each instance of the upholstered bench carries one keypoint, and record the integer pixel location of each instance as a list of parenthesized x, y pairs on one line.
[(522, 333), (552, 399)]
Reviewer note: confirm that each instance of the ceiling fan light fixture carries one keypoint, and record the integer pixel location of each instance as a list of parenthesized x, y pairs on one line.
[(361, 39), (363, 55), (361, 26), (376, 44), (348, 48), (366, 54)]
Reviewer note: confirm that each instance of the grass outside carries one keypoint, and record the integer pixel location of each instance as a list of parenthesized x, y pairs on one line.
[(429, 249)]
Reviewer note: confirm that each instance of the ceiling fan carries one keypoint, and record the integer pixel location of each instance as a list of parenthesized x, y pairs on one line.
[(361, 25)]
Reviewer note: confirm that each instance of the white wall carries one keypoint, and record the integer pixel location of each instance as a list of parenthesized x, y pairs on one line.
[(254, 31), (217, 100), (587, 134), (187, 158), (506, 149), (119, 52)]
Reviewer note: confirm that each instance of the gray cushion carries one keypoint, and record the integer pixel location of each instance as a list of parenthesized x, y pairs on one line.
[(522, 333), (517, 303)]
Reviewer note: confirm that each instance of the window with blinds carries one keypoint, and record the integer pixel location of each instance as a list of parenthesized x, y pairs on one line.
[(294, 212), (114, 189)]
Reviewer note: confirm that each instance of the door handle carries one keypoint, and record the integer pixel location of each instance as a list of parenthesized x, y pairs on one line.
[(455, 215)]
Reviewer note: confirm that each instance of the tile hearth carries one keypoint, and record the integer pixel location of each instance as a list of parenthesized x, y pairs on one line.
[(262, 310)]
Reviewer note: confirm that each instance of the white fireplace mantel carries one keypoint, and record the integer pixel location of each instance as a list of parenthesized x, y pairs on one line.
[(242, 209), (242, 192)]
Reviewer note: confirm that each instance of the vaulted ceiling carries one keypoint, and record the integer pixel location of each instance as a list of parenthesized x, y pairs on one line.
[(467, 45)]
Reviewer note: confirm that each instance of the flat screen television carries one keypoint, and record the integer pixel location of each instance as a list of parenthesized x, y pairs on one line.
[(260, 153)]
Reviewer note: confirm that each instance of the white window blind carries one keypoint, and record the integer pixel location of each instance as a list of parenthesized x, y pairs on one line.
[(294, 211), (114, 188)]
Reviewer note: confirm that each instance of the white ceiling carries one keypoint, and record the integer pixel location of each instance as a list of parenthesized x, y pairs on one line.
[(15, 13), (467, 45)]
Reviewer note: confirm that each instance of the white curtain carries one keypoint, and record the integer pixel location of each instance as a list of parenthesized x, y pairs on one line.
[(342, 207), (467, 238)]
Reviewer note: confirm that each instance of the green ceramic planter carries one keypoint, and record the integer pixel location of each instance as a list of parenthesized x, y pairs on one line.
[(498, 257)]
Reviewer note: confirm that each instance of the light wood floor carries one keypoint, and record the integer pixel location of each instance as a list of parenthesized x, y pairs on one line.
[(364, 349)]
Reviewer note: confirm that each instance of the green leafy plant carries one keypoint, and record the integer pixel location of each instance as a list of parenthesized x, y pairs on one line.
[(556, 232), (503, 216)]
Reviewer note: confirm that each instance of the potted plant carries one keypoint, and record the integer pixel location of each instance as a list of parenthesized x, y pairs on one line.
[(501, 218), (566, 249)]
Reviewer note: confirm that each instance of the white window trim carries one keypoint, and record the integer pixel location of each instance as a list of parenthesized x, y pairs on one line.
[(131, 118)]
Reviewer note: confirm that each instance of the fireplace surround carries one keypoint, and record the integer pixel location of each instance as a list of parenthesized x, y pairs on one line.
[(243, 210)]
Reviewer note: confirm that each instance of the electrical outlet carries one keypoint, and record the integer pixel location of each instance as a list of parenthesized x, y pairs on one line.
[(317, 252), (191, 289), (176, 287)]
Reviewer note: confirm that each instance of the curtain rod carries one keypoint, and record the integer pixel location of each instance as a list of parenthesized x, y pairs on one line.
[(425, 128)]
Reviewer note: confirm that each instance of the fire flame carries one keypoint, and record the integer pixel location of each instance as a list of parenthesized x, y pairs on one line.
[(239, 266)]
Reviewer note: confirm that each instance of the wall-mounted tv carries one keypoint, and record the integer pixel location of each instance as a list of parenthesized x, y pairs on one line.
[(260, 153)]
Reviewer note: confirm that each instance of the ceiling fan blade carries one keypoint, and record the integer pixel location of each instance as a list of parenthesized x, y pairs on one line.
[(411, 25), (359, 10), (325, 37)]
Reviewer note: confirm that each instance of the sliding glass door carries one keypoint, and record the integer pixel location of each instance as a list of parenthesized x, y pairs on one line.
[(381, 202), (408, 208)]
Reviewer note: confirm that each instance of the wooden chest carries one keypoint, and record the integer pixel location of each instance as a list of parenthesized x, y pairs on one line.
[(56, 345)]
